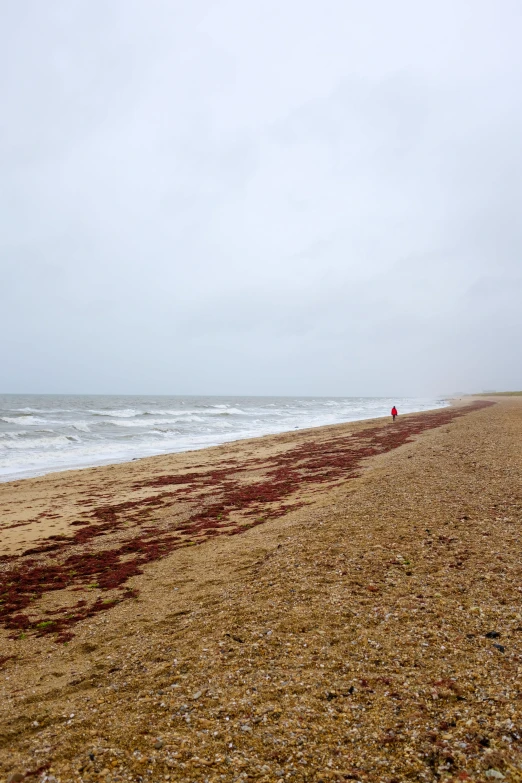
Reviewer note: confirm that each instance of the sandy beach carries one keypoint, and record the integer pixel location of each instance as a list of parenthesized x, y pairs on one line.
[(339, 603)]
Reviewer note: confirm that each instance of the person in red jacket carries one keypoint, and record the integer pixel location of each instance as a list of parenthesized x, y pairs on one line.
[(394, 412)]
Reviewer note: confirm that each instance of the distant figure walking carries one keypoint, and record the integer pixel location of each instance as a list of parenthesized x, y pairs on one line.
[(394, 412)]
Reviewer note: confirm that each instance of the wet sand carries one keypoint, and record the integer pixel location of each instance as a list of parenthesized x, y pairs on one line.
[(309, 606)]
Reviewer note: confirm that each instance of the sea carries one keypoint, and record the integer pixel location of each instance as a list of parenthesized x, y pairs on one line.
[(52, 432)]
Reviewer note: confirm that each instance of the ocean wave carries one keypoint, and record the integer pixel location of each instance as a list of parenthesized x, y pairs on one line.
[(14, 435), (229, 412), (155, 422), (172, 412), (124, 413), (42, 410), (79, 425), (36, 421), (37, 444), (23, 420), (20, 434), (159, 412)]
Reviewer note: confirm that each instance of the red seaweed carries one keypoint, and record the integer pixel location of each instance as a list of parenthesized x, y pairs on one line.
[(235, 507)]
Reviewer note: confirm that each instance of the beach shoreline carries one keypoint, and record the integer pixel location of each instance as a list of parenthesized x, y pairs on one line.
[(342, 604), (57, 433), (38, 493)]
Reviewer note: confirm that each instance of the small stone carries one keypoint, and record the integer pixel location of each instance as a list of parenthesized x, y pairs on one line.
[(197, 695), (500, 647), (246, 727), (494, 773), (158, 744), (15, 777), (492, 635)]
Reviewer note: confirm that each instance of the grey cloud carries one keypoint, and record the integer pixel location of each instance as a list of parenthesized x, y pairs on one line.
[(260, 197)]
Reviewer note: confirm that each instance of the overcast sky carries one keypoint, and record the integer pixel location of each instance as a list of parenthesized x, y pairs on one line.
[(246, 197)]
